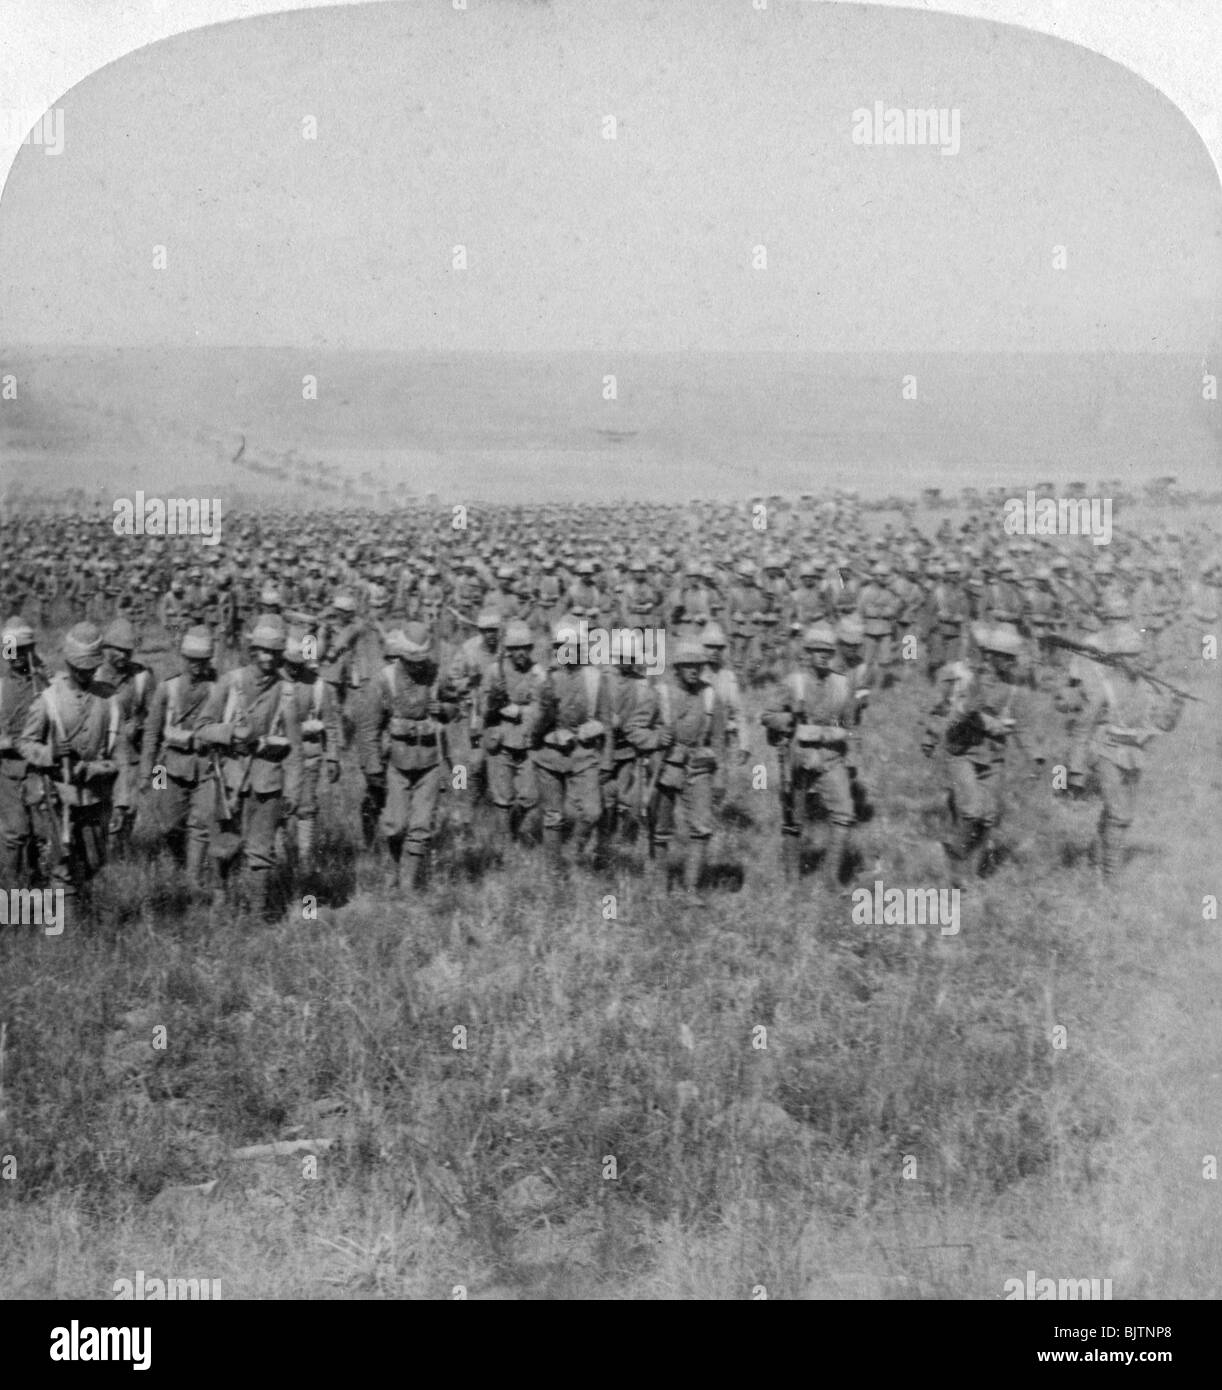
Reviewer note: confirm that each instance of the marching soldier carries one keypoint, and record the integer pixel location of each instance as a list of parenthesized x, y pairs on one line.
[(690, 728), (401, 734), (19, 687), (633, 706), (470, 670), (185, 802), (248, 725), (807, 721), (131, 685), (569, 745), (729, 695), (72, 731), (980, 708), (318, 716), (510, 711), (877, 607), (1118, 715)]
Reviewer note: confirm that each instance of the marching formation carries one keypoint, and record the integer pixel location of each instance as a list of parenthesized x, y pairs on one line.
[(449, 666)]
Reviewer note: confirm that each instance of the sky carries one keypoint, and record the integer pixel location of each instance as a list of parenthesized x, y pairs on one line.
[(734, 131)]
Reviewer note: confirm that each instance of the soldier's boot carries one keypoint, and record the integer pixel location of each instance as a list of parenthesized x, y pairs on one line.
[(627, 825), (603, 834), (394, 845), (790, 857), (420, 869), (305, 843), (262, 888)]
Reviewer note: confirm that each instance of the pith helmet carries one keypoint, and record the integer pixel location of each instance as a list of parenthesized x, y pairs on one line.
[(689, 652), (565, 630), (489, 620), (17, 632), (819, 637), (849, 631), (197, 643), (712, 636), (268, 635), (517, 634), (83, 647), (410, 642), (120, 634), (1000, 639)]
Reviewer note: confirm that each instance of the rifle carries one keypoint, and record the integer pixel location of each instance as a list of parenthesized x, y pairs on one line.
[(1119, 663), (68, 790), (226, 843)]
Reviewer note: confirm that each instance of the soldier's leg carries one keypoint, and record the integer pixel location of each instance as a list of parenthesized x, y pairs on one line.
[(263, 814), (968, 811), (793, 804), (373, 805), (696, 819), (525, 791), (422, 814), (585, 798), (173, 806), (396, 810), (307, 813), (501, 790), (1119, 787), (551, 798), (197, 832), (663, 833), (837, 797), (14, 832)]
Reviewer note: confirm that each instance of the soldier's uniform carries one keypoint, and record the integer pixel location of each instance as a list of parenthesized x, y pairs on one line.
[(510, 712), (689, 728), (807, 719), (1119, 713), (877, 607), (470, 670), (569, 738), (71, 731), (318, 716), (132, 688), (250, 719), (633, 706), (947, 618), (976, 714), (185, 801), (726, 688), (401, 736), (19, 687)]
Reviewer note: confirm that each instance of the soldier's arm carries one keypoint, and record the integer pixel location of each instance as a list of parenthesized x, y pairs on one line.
[(151, 748), (210, 729), (778, 715), (292, 764), (34, 744), (370, 717), (717, 730), (449, 696)]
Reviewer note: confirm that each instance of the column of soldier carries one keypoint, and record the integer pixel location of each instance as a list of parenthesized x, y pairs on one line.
[(440, 666)]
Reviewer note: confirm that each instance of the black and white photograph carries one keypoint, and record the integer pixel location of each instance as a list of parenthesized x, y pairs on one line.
[(609, 682)]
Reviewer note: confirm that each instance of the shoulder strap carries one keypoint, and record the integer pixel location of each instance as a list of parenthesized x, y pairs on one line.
[(52, 707), (388, 680)]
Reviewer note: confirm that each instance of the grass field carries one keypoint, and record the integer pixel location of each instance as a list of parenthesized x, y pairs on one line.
[(909, 1129)]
